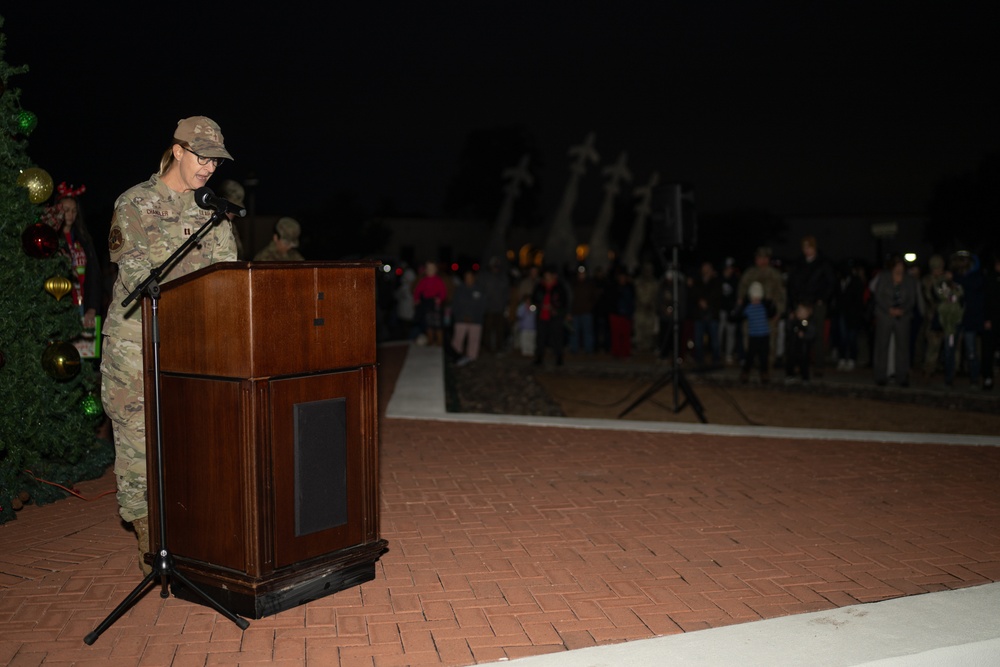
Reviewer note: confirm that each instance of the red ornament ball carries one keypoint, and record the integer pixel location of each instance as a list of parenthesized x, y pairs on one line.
[(40, 240)]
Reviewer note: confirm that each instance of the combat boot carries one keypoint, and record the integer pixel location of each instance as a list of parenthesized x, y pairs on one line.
[(141, 527)]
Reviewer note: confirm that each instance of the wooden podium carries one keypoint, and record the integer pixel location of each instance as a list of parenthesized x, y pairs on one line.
[(270, 431)]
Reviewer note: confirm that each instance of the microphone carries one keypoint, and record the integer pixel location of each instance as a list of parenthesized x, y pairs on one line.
[(205, 198)]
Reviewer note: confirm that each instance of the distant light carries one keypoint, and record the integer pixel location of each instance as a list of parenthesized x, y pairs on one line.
[(475, 266), (399, 270), (454, 266), (910, 257), (386, 268)]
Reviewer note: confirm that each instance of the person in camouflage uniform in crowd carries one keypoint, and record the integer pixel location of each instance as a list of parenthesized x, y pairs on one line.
[(763, 272), (151, 221), (282, 247)]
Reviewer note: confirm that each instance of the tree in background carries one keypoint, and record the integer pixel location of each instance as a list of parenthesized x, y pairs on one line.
[(49, 403)]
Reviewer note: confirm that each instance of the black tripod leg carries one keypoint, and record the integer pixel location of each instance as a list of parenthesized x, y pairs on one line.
[(653, 389), (692, 399), (121, 608), (242, 623)]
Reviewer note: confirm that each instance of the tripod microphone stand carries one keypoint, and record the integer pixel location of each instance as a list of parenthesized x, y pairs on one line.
[(163, 562), (674, 376)]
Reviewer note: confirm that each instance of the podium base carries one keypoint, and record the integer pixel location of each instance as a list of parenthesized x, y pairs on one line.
[(299, 585)]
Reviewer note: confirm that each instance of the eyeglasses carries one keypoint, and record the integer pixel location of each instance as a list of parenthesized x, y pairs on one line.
[(217, 161)]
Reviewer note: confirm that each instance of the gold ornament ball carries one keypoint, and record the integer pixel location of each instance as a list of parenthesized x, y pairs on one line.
[(61, 360), (38, 182), (58, 286)]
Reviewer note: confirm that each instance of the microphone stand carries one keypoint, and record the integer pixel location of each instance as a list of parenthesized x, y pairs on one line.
[(163, 562), (675, 375)]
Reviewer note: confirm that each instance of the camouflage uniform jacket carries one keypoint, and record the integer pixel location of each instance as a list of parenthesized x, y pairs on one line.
[(270, 253), (150, 222)]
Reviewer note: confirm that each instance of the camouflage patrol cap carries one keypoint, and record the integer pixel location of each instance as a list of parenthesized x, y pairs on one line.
[(288, 230), (203, 136)]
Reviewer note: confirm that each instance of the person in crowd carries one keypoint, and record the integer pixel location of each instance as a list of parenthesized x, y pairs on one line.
[(705, 293), (235, 193), (758, 314), (933, 334), (813, 280), (967, 272), (647, 289), (526, 327), (919, 313), (731, 335), (284, 243), (848, 313), (495, 286), (895, 299), (522, 284), (468, 310), (87, 275), (551, 301), (151, 221), (581, 310), (950, 310), (385, 302), (430, 296), (991, 320), (603, 308), (405, 308), (764, 272), (802, 334), (622, 314)]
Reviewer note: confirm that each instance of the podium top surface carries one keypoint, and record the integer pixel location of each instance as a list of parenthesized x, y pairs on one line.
[(265, 319)]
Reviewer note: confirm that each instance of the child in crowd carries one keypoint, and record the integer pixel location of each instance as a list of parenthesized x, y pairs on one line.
[(525, 338), (757, 313), (801, 335)]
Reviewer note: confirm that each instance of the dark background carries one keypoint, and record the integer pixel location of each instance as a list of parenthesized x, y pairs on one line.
[(347, 111)]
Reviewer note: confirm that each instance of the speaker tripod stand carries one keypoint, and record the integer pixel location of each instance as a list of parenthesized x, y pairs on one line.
[(163, 563), (674, 376)]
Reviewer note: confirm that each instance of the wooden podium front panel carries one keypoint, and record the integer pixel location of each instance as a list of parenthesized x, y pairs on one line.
[(263, 319), (206, 471), (311, 317), (319, 443)]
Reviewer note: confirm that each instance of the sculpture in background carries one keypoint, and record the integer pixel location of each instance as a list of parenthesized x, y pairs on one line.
[(637, 235), (597, 259), (560, 247), (515, 177)]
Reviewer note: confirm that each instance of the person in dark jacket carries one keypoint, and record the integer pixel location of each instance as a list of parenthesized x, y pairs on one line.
[(622, 315), (705, 294), (551, 300), (813, 280), (967, 272), (849, 314), (991, 320)]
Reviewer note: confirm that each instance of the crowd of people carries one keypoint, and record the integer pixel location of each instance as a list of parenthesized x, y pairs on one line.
[(903, 322)]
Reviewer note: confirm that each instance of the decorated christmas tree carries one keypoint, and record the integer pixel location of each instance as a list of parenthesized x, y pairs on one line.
[(49, 397)]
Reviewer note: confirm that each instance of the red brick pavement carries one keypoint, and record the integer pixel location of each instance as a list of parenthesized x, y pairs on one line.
[(508, 541)]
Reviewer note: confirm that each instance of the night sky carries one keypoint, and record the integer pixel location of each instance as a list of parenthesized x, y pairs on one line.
[(796, 108)]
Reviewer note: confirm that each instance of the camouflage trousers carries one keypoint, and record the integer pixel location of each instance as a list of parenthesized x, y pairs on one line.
[(122, 396)]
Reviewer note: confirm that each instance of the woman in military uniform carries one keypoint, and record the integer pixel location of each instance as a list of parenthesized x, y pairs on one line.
[(151, 220)]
